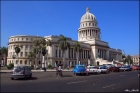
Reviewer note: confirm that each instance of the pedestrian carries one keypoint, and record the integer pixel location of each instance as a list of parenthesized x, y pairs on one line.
[(57, 73)]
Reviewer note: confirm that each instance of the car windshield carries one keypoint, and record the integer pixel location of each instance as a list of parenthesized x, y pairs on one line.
[(19, 67), (80, 66)]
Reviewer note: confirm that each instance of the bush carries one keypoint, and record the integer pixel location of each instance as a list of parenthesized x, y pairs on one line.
[(49, 66), (10, 66), (31, 67)]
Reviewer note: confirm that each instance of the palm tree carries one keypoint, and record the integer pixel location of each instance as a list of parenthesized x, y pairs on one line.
[(36, 45), (63, 45), (129, 59), (31, 55), (42, 44), (77, 49), (17, 50), (4, 53)]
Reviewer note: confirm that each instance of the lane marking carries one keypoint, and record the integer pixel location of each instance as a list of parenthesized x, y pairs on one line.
[(77, 82), (109, 86)]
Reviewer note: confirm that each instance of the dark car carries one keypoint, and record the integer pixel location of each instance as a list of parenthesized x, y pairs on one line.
[(114, 69)]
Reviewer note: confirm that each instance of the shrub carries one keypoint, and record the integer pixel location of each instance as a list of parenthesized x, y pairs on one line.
[(10, 66), (49, 66), (31, 67)]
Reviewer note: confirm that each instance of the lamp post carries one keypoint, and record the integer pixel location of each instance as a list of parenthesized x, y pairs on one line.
[(43, 63), (14, 56), (88, 59)]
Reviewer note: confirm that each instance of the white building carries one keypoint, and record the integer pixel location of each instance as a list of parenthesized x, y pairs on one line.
[(88, 34)]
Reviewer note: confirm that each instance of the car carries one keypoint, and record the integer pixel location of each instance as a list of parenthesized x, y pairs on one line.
[(103, 69), (136, 67), (92, 69), (21, 72), (114, 69), (79, 69), (125, 68)]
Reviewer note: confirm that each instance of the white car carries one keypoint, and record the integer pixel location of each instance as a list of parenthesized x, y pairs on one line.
[(103, 70), (92, 69)]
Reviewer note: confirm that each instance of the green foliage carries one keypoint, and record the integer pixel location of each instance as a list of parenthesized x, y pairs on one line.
[(3, 50), (10, 66), (31, 67), (49, 66)]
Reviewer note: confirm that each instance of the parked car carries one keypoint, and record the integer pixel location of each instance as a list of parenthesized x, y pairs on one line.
[(79, 69), (114, 69), (21, 72), (103, 69), (125, 68), (92, 69), (136, 67)]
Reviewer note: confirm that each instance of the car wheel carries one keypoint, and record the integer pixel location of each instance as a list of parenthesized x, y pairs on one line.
[(12, 78)]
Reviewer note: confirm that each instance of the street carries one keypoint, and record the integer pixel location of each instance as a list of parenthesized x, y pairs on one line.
[(48, 82)]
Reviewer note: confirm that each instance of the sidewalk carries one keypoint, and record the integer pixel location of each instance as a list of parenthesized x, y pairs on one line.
[(48, 70)]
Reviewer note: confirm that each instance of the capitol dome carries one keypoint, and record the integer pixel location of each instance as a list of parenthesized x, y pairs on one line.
[(88, 16)]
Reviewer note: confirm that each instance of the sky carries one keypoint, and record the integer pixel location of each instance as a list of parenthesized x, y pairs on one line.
[(118, 20)]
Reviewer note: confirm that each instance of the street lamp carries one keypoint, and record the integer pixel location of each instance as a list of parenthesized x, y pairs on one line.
[(14, 56), (43, 63)]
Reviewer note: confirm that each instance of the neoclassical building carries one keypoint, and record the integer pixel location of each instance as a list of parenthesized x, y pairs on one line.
[(89, 37), (135, 59)]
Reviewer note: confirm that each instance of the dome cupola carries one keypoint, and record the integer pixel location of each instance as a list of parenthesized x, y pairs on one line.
[(88, 16)]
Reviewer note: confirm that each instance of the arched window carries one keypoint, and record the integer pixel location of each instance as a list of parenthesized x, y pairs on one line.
[(39, 62), (25, 61), (16, 62), (86, 24), (20, 61)]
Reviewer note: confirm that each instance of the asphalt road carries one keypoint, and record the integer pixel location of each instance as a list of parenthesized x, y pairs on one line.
[(48, 82)]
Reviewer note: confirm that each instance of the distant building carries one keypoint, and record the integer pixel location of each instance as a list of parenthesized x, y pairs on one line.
[(136, 59), (88, 34)]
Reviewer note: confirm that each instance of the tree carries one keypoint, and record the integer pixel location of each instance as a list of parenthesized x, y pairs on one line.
[(77, 49), (129, 60), (3, 52), (63, 45), (31, 55), (17, 50), (36, 45)]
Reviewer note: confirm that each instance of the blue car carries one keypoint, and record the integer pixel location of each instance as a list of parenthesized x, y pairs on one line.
[(79, 69)]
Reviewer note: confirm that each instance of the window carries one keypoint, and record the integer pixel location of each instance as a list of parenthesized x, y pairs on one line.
[(25, 61), (92, 24), (21, 46), (89, 24), (83, 25), (86, 24), (55, 53), (20, 61), (59, 53), (22, 38), (31, 39), (25, 53), (16, 62), (26, 46), (26, 38)]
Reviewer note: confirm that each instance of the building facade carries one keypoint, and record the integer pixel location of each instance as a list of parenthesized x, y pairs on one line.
[(136, 59), (94, 50)]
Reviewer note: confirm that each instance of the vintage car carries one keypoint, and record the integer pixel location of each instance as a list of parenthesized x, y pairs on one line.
[(103, 69), (136, 67), (80, 69), (92, 70), (114, 69), (125, 68)]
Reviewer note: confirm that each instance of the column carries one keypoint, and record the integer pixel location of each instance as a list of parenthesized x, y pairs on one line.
[(73, 52), (23, 51), (107, 54)]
